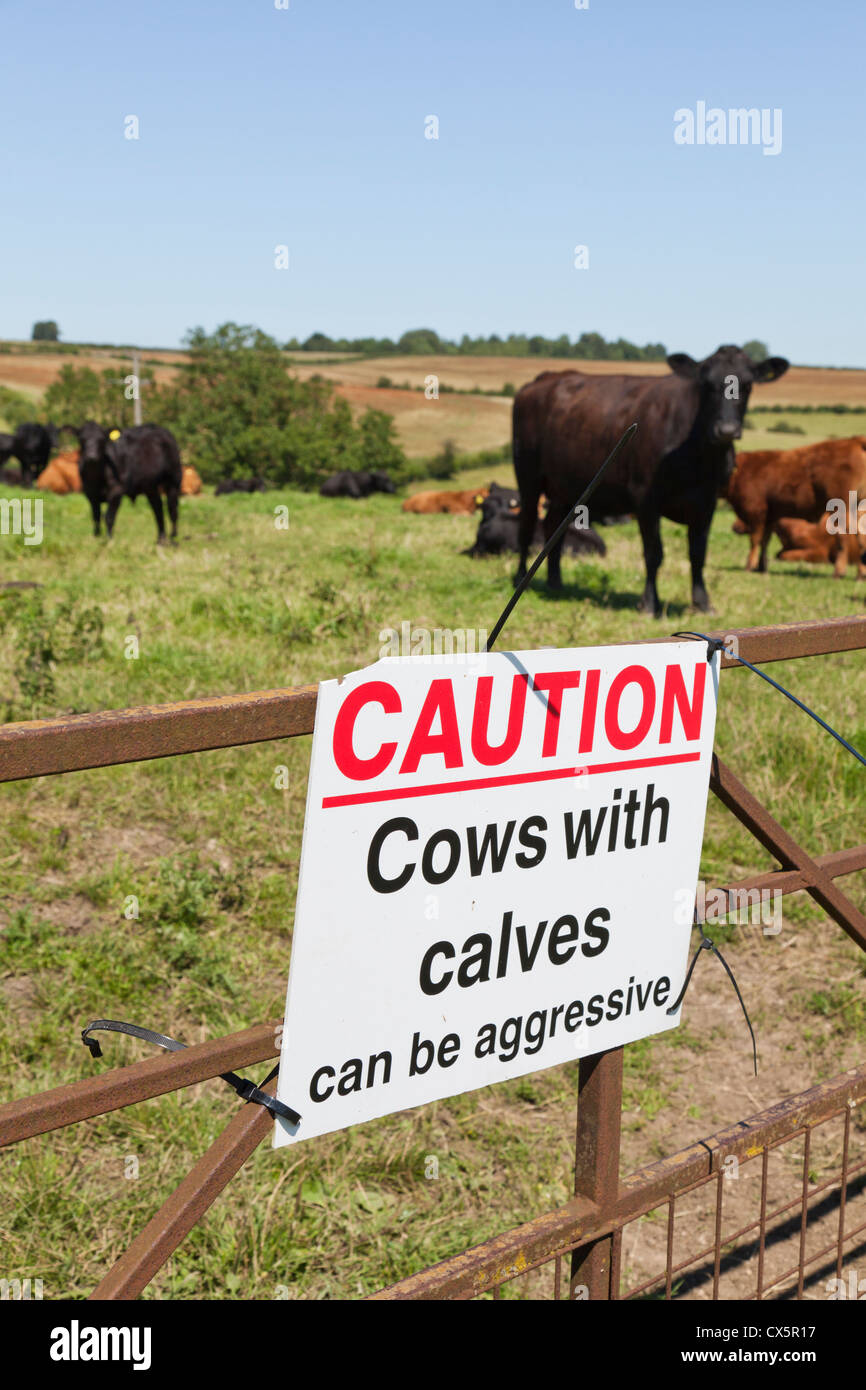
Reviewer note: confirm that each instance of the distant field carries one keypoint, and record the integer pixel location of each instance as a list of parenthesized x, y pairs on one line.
[(471, 422), (799, 385), (32, 372)]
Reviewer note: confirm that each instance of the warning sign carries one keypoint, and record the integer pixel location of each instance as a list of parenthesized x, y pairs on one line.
[(496, 852)]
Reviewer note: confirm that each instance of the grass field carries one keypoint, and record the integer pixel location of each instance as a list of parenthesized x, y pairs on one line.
[(210, 849)]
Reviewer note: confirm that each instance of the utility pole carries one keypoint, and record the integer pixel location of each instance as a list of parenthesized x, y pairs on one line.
[(136, 399)]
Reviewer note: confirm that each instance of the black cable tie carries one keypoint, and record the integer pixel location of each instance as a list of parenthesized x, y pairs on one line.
[(706, 944), (717, 644), (247, 1090)]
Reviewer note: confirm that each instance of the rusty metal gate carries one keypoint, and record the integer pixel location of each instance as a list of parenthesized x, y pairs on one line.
[(575, 1250)]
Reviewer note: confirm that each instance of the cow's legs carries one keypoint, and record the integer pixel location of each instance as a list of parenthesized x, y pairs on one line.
[(114, 501), (96, 512), (759, 535), (556, 514), (525, 529), (653, 554), (699, 534), (171, 496), (156, 507)]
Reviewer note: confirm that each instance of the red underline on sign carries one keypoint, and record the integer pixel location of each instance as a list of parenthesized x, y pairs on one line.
[(479, 783)]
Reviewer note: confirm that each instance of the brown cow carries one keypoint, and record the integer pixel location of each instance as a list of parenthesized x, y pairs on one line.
[(190, 484), (771, 484), (455, 503), (61, 475), (809, 542)]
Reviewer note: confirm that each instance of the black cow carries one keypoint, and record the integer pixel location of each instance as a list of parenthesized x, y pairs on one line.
[(144, 459), (360, 483), (7, 447), (498, 529), (678, 463), (32, 446), (226, 485)]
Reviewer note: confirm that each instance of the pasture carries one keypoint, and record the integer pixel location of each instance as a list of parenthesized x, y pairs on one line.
[(209, 847)]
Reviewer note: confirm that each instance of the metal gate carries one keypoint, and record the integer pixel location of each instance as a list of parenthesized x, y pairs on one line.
[(575, 1250)]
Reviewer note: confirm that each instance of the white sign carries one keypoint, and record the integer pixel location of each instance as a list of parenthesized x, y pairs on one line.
[(496, 854)]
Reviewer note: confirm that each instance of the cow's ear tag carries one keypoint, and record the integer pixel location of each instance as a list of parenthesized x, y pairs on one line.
[(479, 499), (114, 434)]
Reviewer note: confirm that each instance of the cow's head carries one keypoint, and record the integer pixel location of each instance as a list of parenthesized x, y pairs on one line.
[(725, 381), (383, 482), (94, 441), (96, 444)]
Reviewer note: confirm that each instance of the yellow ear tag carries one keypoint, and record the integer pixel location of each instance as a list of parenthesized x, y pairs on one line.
[(115, 434), (479, 499)]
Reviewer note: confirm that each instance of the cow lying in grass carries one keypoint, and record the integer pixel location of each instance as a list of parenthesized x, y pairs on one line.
[(226, 485), (360, 483), (808, 483), (454, 503), (498, 530), (810, 543)]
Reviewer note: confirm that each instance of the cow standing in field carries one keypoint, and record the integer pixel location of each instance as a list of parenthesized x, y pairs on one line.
[(144, 459), (676, 466), (771, 484)]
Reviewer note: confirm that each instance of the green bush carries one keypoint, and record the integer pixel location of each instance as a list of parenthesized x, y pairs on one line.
[(16, 408), (785, 427), (236, 410), (80, 393)]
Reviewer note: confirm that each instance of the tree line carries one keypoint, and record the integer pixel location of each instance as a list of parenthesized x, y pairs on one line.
[(425, 341)]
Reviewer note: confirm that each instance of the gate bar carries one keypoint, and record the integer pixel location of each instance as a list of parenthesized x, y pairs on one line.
[(188, 1203), (155, 1076)]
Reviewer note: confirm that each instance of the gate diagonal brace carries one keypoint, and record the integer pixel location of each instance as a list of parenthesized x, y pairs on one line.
[(247, 1090), (791, 855)]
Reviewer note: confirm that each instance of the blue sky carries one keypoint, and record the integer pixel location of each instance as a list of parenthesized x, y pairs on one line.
[(305, 127)]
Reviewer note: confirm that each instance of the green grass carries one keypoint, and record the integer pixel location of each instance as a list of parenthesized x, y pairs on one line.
[(205, 850), (804, 427)]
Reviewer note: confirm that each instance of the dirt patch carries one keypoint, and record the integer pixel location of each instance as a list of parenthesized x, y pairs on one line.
[(19, 996), (135, 843), (74, 916)]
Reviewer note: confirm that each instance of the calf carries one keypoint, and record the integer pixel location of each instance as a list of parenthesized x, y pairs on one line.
[(454, 503), (62, 474), (810, 543), (500, 532), (771, 484)]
